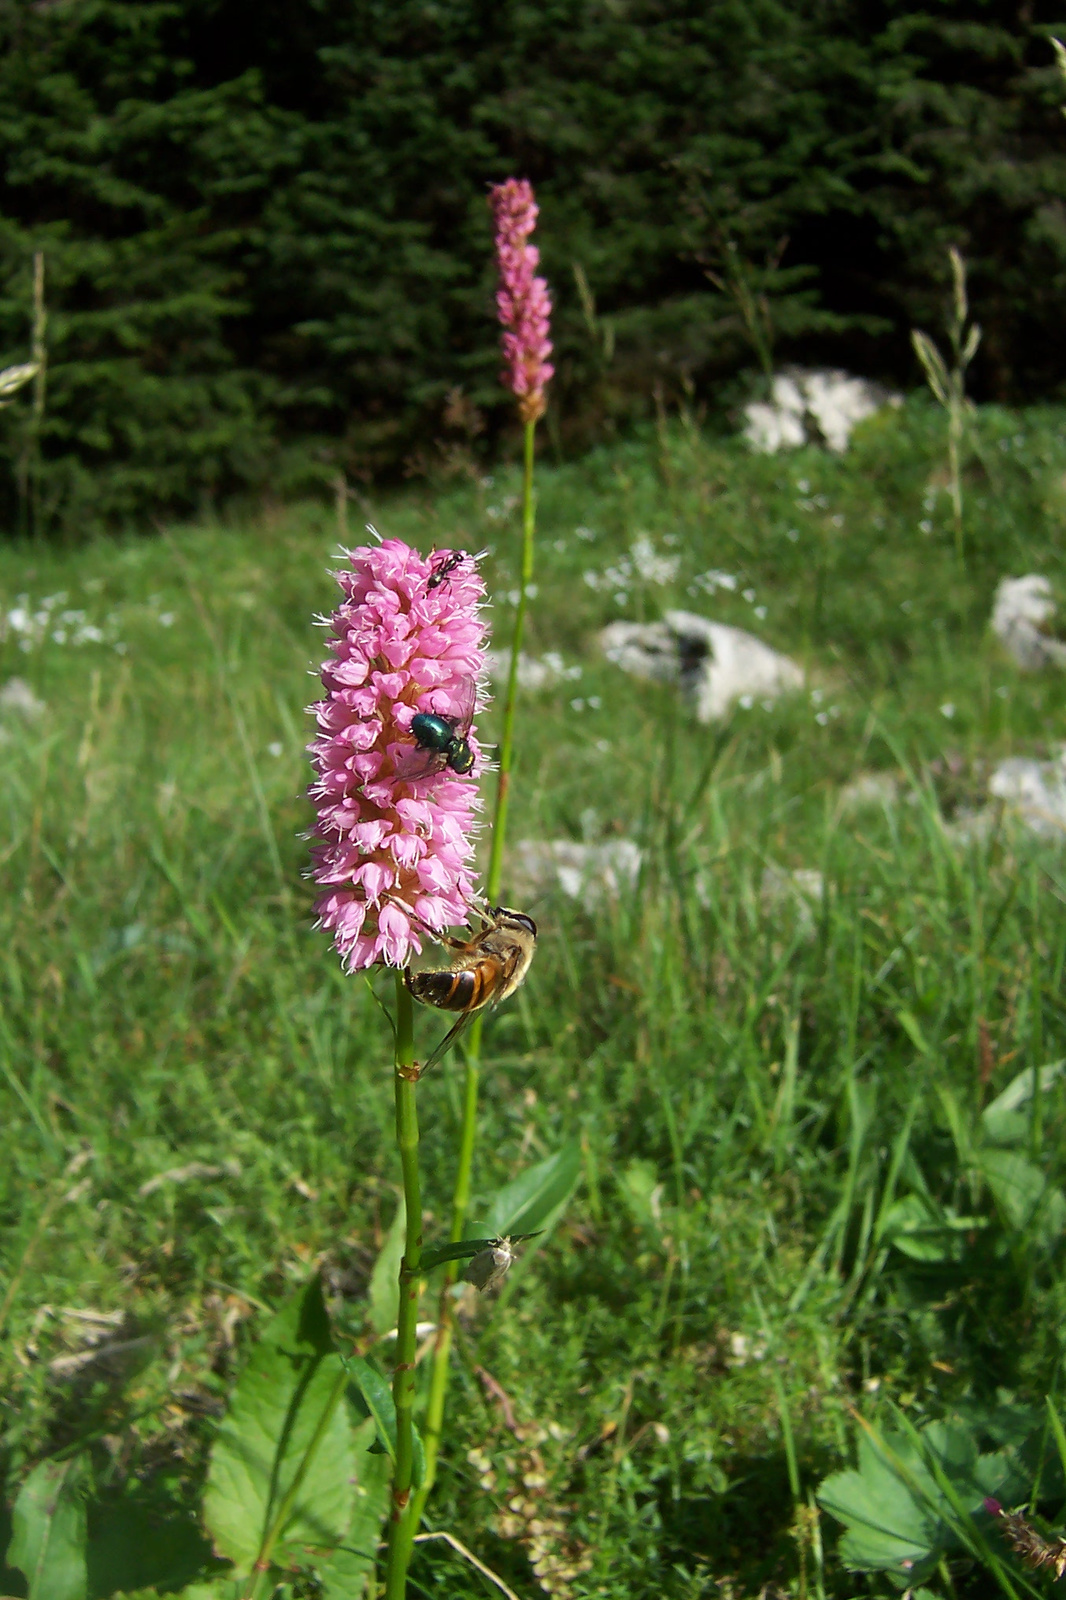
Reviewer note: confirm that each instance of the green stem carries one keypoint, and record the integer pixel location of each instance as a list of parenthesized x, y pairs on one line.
[(503, 782), (955, 431), (403, 1522), (433, 1424)]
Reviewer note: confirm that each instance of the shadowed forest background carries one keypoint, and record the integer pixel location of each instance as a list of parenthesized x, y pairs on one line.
[(267, 239)]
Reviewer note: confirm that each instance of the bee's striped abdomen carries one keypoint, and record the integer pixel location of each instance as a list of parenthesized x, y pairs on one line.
[(451, 991)]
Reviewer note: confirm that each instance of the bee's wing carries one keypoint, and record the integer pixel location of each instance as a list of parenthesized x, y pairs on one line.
[(446, 1043), (418, 763)]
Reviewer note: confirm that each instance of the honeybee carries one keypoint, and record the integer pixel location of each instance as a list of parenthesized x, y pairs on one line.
[(440, 741), (484, 970)]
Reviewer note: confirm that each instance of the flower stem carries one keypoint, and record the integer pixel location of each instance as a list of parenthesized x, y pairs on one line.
[(403, 1521), (503, 782), (433, 1424)]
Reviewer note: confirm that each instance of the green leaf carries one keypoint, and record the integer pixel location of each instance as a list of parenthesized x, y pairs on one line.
[(1023, 1195), (920, 1230), (1060, 56), (12, 378), (49, 1531), (536, 1199), (887, 1530), (999, 1119), (913, 1029), (437, 1254), (898, 1517), (221, 1589), (377, 1394), (132, 1547), (933, 363), (384, 1291), (279, 1403), (345, 1574), (1015, 1183), (638, 1183)]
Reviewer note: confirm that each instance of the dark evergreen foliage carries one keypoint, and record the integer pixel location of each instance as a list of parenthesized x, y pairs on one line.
[(268, 251)]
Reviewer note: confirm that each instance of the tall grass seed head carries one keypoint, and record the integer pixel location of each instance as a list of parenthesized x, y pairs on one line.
[(385, 848), (523, 301)]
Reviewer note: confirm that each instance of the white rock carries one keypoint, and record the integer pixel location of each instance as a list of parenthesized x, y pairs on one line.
[(643, 649), (868, 790), (1035, 792), (16, 695), (649, 565), (787, 392), (838, 403), (800, 890), (825, 403), (970, 826), (534, 672), (768, 429), (715, 664), (730, 664), (587, 872), (1021, 606)]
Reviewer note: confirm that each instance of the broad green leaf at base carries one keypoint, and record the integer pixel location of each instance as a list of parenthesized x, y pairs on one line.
[(279, 1402), (49, 1531)]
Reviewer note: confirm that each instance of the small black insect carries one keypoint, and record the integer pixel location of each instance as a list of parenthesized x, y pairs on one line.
[(443, 569), (440, 741)]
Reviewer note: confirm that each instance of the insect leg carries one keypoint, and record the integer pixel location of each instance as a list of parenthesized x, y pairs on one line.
[(484, 910), (424, 927)]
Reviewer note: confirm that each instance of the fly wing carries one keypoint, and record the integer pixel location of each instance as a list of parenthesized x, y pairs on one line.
[(466, 696), (446, 1043), (419, 763)]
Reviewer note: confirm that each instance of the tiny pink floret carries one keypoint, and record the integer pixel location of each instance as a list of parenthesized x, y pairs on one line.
[(523, 302), (385, 847)]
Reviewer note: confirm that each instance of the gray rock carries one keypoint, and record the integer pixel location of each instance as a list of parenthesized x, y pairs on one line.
[(824, 405), (714, 663), (591, 873), (1035, 792), (17, 696), (869, 790), (1021, 607)]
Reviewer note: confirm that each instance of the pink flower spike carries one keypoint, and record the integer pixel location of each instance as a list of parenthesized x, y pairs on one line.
[(523, 303), (398, 646)]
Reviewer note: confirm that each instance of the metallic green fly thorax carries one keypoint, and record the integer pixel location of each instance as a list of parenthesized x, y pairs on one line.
[(432, 732)]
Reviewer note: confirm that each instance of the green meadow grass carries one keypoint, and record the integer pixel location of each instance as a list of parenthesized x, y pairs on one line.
[(753, 1078)]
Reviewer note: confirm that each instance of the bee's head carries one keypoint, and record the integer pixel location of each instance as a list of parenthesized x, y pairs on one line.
[(514, 919)]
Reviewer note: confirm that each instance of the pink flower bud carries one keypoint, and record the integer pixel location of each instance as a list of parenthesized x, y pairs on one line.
[(523, 302)]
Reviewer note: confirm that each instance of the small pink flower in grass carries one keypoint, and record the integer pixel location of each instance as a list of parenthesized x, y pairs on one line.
[(523, 302), (385, 845)]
